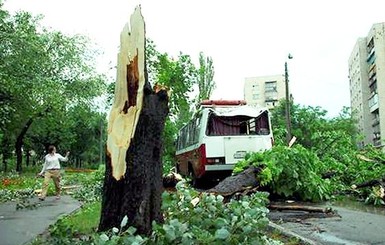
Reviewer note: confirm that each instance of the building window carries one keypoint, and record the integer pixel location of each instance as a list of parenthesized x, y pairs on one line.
[(270, 86)]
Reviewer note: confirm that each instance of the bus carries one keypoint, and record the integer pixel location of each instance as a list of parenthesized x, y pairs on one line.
[(219, 135)]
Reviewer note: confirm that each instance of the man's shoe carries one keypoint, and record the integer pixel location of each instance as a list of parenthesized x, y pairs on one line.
[(41, 198)]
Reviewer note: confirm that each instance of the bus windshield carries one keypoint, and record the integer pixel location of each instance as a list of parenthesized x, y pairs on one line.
[(237, 125)]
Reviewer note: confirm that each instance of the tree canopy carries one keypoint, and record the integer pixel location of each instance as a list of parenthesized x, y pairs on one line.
[(44, 74)]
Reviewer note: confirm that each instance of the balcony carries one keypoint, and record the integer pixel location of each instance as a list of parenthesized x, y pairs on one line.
[(370, 55), (371, 67), (271, 99), (372, 73), (372, 80), (373, 102), (375, 121)]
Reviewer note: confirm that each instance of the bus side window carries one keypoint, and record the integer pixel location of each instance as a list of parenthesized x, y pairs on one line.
[(197, 130)]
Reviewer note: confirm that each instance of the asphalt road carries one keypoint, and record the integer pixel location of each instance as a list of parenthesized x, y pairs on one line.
[(350, 226), (21, 226)]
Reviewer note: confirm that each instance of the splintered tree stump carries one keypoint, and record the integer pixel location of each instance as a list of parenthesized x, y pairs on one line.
[(237, 183), (133, 177)]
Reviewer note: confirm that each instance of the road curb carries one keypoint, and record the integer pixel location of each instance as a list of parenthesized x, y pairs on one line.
[(289, 233)]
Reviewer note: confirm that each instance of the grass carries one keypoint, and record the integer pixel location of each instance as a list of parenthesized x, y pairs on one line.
[(84, 221), (72, 228)]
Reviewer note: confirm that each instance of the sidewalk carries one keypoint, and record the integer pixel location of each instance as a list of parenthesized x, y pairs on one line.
[(21, 226)]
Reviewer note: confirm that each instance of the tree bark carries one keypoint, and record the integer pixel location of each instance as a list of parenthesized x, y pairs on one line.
[(133, 178), (19, 145), (237, 183), (6, 151)]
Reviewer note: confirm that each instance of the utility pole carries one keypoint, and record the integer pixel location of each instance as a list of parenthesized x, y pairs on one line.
[(287, 108)]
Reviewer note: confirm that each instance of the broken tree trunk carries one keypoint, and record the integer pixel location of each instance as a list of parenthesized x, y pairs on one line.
[(133, 178), (237, 183)]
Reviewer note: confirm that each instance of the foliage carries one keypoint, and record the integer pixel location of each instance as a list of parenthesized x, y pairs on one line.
[(376, 196), (210, 221), (83, 221), (290, 172), (91, 186), (332, 146), (206, 83), (16, 187), (43, 74)]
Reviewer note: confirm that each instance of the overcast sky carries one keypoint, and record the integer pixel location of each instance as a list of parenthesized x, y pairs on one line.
[(245, 38)]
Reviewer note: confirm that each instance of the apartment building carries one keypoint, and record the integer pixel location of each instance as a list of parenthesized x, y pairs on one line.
[(367, 85), (264, 91)]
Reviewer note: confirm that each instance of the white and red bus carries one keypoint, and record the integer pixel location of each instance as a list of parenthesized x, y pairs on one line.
[(219, 135)]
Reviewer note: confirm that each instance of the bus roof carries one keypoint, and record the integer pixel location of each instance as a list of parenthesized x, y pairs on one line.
[(244, 110), (212, 103)]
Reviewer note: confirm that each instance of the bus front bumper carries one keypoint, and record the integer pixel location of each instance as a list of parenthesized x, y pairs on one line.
[(219, 167)]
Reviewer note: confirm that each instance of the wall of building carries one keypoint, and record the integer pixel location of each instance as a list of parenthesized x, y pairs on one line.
[(265, 91), (377, 34), (367, 85), (359, 91)]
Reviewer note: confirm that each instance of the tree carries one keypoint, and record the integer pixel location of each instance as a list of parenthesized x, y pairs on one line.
[(314, 130), (80, 131), (206, 84), (43, 74), (133, 179)]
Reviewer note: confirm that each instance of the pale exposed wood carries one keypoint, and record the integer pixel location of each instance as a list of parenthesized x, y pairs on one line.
[(125, 111), (299, 208)]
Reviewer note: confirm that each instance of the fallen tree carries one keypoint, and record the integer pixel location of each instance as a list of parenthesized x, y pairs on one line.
[(240, 183)]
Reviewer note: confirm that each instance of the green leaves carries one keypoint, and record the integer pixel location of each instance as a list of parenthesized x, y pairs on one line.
[(222, 234), (290, 172), (206, 83), (210, 220), (43, 74)]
